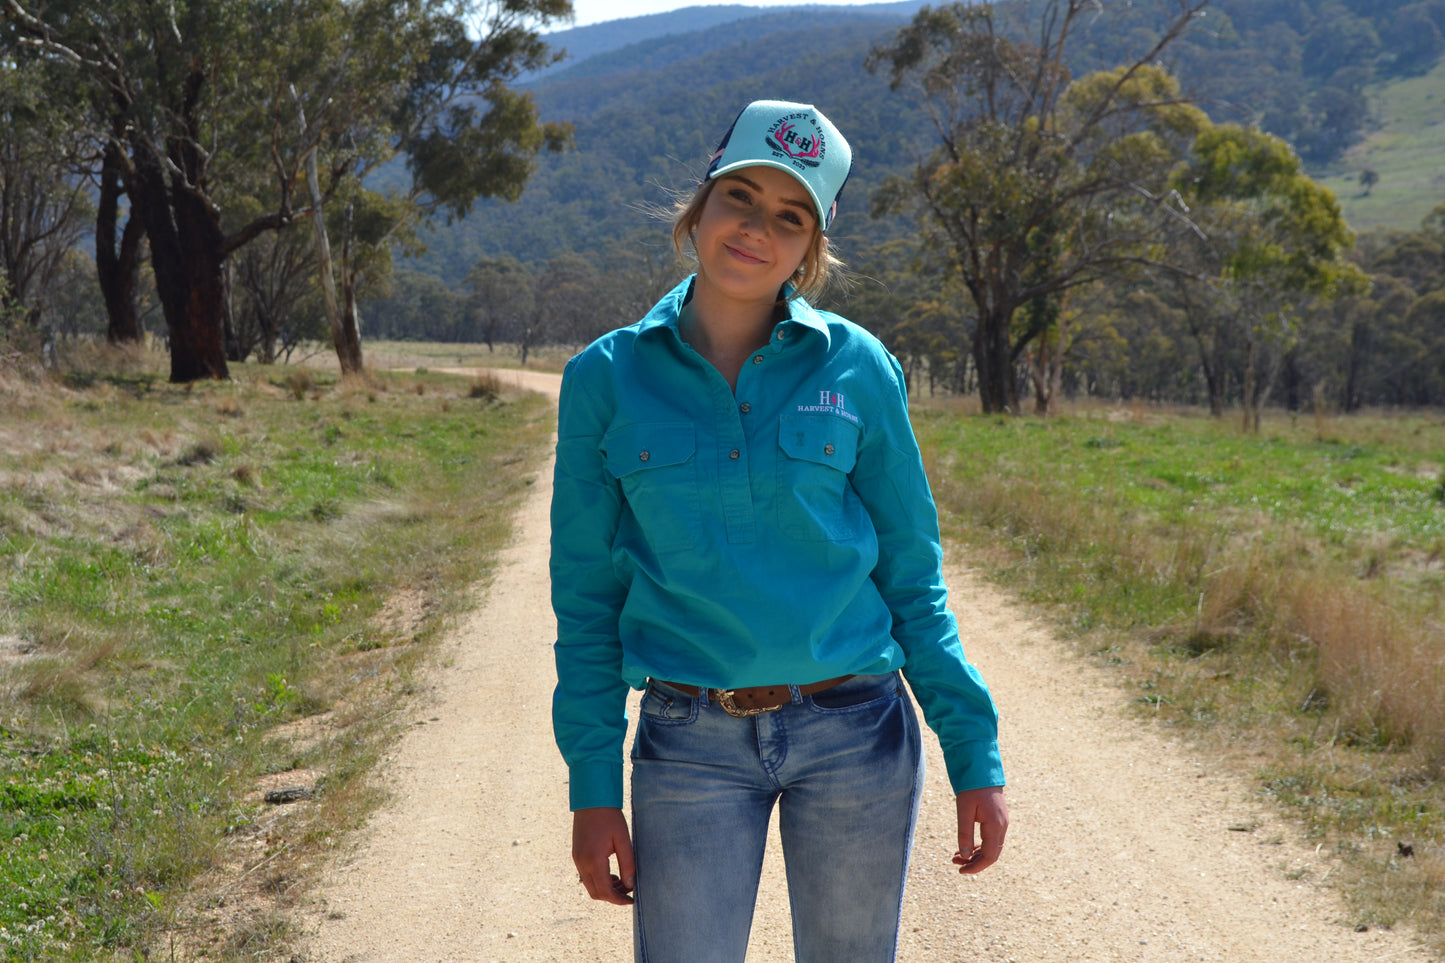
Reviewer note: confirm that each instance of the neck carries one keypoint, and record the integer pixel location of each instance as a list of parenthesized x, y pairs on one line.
[(726, 323), (725, 331)]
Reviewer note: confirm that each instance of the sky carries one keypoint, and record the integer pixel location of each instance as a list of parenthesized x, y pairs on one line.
[(596, 11)]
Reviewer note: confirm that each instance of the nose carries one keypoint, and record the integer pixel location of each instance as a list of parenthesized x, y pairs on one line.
[(753, 221)]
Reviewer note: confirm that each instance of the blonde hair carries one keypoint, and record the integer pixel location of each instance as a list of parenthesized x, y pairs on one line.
[(809, 280)]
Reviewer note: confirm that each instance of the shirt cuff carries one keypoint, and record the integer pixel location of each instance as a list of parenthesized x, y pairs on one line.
[(595, 784), (975, 770)]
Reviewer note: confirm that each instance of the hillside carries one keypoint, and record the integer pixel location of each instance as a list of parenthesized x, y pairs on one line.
[(1405, 147), (649, 97), (594, 41)]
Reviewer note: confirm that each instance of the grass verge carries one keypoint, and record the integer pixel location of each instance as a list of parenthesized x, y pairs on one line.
[(208, 592), (1279, 596)]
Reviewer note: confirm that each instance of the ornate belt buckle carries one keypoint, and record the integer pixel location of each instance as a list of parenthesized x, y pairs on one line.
[(724, 698)]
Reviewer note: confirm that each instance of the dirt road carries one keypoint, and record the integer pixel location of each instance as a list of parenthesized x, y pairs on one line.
[(1124, 846)]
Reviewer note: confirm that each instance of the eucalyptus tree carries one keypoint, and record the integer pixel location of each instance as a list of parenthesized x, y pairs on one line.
[(43, 204), (565, 305), (502, 296), (275, 275), (405, 112), (1039, 182), (1267, 239), (163, 81), (201, 103)]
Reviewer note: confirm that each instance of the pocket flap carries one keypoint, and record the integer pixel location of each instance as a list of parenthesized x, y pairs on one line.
[(639, 447), (822, 439)]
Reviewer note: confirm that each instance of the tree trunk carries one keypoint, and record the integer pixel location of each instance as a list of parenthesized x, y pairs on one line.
[(993, 359), (1354, 376), (117, 265), (345, 334), (186, 258), (348, 342), (1040, 365), (235, 350), (1251, 416)]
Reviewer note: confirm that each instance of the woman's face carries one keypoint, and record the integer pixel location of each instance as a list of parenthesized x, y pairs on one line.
[(754, 232)]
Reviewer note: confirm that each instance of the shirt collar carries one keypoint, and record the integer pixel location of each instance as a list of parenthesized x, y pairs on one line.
[(664, 313)]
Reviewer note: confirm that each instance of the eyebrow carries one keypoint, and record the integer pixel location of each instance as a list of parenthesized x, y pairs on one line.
[(806, 205)]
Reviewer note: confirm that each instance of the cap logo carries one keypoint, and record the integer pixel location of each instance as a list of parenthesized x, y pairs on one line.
[(805, 148)]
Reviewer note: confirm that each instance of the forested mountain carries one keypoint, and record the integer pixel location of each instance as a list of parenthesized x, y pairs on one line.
[(1100, 197), (591, 44), (587, 245), (648, 111)]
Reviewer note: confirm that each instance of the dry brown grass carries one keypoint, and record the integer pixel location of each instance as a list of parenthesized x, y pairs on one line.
[(1382, 673)]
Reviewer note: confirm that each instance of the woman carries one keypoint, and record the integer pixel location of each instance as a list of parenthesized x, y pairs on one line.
[(741, 525)]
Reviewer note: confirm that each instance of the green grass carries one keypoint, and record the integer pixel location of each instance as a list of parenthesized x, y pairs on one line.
[(185, 572), (1406, 148), (1280, 596), (436, 355)]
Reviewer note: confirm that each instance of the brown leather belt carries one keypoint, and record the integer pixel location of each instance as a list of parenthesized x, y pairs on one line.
[(758, 699)]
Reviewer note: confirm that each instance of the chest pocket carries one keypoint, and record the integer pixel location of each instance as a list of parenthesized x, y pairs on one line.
[(655, 465), (816, 501)]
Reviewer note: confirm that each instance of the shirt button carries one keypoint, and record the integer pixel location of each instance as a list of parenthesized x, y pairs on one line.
[(827, 449), (644, 455), (782, 334), (734, 454), (745, 407), (757, 359)]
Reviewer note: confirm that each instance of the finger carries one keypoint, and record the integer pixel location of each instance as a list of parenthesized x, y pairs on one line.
[(977, 862), (626, 865), (603, 886), (966, 843), (621, 892), (984, 855), (992, 835)]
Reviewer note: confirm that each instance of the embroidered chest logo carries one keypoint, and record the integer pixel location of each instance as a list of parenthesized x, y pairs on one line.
[(805, 148), (831, 403)]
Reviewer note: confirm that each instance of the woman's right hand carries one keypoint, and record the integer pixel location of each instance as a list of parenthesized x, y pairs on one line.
[(598, 835)]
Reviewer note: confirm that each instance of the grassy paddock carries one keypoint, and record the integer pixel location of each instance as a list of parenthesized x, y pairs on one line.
[(1279, 596), (437, 355), (207, 591)]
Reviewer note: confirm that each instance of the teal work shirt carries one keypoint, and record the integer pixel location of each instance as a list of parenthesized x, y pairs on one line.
[(784, 534)]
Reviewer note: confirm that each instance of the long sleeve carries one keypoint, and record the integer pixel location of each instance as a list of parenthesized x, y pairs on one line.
[(589, 714), (891, 482)]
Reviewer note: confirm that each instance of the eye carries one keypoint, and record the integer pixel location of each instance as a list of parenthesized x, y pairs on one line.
[(740, 195), (792, 217)]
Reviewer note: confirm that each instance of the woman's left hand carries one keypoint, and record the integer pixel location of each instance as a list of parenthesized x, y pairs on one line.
[(986, 808)]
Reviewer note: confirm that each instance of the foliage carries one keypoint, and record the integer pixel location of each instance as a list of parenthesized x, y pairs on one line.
[(1038, 183), (42, 209), (1263, 239), (442, 103)]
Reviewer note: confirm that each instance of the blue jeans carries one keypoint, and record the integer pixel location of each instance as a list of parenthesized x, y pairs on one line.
[(845, 767)]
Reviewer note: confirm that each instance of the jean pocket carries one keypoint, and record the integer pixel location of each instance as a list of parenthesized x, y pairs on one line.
[(859, 694), (666, 706)]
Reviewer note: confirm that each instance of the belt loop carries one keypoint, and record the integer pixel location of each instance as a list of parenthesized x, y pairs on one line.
[(702, 696), (797, 696)]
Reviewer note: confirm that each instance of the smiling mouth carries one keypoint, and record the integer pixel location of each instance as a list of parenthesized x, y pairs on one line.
[(739, 253)]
